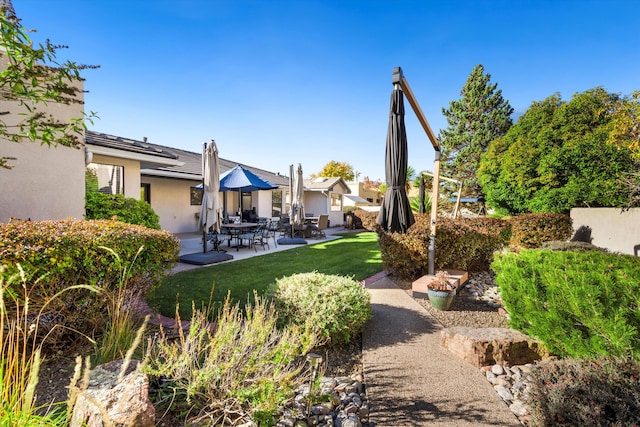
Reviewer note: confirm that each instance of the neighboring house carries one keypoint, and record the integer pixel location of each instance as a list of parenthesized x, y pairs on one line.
[(45, 182), (167, 178), (326, 196), (361, 196)]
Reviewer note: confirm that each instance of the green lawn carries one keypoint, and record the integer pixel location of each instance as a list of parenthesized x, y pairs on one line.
[(354, 255)]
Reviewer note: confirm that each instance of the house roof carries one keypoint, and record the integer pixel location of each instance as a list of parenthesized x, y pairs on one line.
[(357, 199), (184, 165), (325, 184)]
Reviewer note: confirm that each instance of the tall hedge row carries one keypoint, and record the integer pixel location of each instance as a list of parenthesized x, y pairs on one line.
[(466, 243)]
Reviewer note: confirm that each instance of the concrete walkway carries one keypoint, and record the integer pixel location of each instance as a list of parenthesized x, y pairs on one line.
[(413, 381)]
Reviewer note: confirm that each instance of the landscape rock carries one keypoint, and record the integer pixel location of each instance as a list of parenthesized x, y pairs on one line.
[(491, 346), (125, 402)]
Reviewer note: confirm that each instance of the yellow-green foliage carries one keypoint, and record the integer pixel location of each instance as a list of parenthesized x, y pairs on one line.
[(337, 307), (532, 230), (56, 255), (579, 304), (239, 369), (465, 244)]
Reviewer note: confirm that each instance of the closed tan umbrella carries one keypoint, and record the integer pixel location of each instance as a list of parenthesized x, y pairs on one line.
[(211, 211)]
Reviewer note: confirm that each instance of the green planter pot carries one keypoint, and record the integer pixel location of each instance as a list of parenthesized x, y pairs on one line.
[(441, 300)]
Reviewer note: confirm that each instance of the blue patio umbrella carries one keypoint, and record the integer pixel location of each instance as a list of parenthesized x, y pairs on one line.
[(242, 179)]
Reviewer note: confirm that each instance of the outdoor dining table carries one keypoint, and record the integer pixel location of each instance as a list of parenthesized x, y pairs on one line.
[(237, 228)]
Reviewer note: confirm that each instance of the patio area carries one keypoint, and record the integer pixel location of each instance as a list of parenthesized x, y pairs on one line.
[(192, 243)]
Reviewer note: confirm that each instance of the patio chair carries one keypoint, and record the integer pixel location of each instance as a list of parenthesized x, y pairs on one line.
[(216, 239), (273, 227), (317, 230), (254, 238)]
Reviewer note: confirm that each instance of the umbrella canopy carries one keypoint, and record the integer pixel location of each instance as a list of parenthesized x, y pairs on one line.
[(297, 206), (211, 206), (239, 178), (395, 214)]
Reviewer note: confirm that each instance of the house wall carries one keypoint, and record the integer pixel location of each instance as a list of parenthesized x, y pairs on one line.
[(131, 173), (357, 189), (318, 203), (46, 183), (611, 228), (171, 200)]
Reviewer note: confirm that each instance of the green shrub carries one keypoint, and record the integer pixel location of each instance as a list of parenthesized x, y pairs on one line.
[(57, 255), (532, 230), (571, 246), (579, 304), (337, 307), (240, 369), (126, 209), (585, 393), (463, 244)]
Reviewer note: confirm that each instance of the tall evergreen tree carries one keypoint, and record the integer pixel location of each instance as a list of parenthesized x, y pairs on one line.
[(477, 118)]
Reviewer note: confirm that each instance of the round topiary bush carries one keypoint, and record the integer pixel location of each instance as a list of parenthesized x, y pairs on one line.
[(337, 307)]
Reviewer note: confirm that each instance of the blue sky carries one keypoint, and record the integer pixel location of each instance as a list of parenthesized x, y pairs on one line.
[(285, 82)]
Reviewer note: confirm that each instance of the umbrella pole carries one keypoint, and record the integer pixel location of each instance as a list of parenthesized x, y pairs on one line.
[(291, 198), (204, 229), (434, 212)]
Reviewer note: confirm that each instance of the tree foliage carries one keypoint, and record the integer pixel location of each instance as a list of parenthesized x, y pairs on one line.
[(30, 78), (477, 118), (336, 169), (561, 155)]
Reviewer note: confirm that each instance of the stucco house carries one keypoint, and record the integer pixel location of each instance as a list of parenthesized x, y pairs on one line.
[(360, 196), (168, 179), (325, 196), (44, 183)]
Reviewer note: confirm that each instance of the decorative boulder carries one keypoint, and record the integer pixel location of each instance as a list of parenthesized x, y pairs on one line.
[(488, 346), (125, 402)]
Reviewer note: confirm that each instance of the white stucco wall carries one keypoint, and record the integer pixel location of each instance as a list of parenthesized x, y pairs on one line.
[(611, 228)]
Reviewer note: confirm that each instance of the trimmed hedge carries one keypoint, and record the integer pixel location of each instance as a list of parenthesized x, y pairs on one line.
[(58, 254), (532, 230), (579, 304), (465, 243)]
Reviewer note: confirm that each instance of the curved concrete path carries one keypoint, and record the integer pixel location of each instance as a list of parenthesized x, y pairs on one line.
[(413, 381)]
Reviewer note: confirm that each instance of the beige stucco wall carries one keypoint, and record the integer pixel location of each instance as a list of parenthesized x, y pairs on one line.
[(611, 228), (131, 173), (171, 200), (45, 182)]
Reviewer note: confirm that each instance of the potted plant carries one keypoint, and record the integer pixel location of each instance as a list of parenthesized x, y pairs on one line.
[(441, 291)]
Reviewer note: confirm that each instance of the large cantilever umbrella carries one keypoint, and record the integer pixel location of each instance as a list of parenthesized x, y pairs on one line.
[(395, 214), (211, 206), (242, 179)]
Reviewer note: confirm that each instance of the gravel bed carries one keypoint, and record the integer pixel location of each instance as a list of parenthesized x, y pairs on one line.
[(472, 306)]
